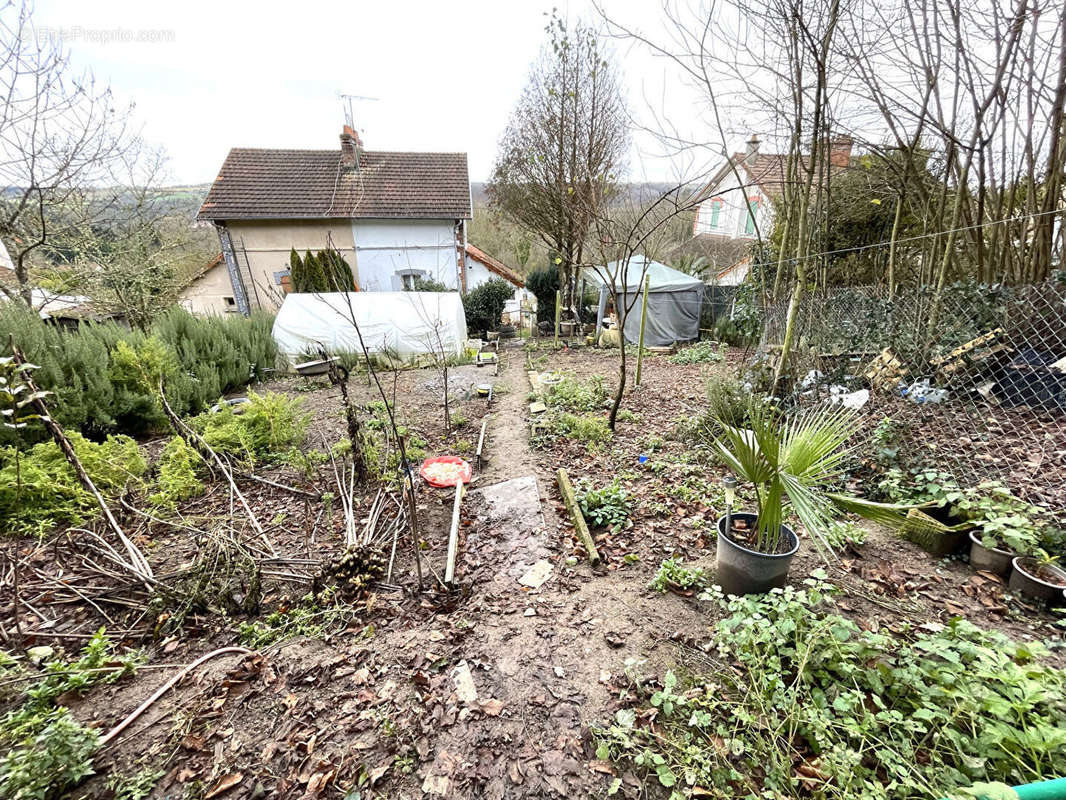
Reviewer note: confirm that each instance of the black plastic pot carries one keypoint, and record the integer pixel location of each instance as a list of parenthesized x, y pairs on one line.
[(744, 571), (1024, 581), (991, 559)]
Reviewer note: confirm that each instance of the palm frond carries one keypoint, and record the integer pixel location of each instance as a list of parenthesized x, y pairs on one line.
[(892, 515)]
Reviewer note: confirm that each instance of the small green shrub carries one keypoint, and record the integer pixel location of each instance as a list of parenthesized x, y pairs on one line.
[(577, 396), (47, 750), (705, 352), (423, 284), (261, 431), (673, 574), (728, 400), (608, 505), (591, 430), (95, 371), (484, 305), (39, 489), (178, 477)]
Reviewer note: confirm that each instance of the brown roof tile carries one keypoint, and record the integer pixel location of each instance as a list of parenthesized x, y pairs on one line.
[(496, 266), (289, 184)]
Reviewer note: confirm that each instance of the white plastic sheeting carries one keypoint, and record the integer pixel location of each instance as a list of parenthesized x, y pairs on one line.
[(404, 323)]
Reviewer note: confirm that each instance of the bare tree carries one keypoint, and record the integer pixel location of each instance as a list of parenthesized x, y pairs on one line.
[(565, 145), (626, 239), (61, 137)]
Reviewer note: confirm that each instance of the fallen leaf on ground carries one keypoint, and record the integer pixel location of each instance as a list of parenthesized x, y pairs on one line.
[(224, 784)]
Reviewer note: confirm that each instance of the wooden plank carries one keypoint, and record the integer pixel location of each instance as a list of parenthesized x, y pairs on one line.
[(566, 489), (453, 536)]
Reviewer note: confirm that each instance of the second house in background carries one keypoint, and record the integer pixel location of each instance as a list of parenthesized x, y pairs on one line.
[(394, 217)]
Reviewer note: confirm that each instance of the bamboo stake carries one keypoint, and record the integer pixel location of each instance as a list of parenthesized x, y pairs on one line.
[(453, 537), (567, 491), (643, 319)]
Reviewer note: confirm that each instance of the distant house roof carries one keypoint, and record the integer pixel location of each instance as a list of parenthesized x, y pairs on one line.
[(768, 170), (495, 265), (290, 184)]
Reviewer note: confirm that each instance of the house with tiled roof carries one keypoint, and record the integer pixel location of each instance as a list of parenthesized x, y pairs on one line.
[(394, 217), (737, 206)]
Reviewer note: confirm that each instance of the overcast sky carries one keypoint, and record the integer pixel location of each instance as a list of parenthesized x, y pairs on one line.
[(224, 74)]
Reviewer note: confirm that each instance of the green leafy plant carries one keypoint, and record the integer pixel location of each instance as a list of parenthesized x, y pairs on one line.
[(45, 749), (39, 489), (178, 476), (259, 431), (811, 704), (484, 304), (592, 430), (607, 505), (793, 459), (673, 574), (705, 352), (577, 396)]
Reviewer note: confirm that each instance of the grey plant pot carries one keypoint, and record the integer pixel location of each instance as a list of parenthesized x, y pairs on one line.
[(991, 559), (1023, 581), (743, 571)]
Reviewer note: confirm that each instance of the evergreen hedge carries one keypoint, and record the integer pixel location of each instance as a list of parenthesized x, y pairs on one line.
[(93, 371)]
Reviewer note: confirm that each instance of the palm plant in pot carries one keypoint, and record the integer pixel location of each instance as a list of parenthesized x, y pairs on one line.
[(791, 461)]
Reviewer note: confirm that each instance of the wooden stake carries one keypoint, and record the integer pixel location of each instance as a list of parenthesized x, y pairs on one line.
[(453, 537), (481, 441), (569, 498), (558, 310)]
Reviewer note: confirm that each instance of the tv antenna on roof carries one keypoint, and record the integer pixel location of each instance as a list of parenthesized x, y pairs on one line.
[(348, 99)]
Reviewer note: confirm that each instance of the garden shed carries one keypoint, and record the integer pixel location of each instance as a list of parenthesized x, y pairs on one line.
[(405, 324), (674, 299)]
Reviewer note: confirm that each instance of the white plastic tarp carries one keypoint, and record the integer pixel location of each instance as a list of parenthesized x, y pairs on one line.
[(403, 323)]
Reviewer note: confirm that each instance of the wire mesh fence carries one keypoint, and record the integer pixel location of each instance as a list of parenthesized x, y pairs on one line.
[(973, 380)]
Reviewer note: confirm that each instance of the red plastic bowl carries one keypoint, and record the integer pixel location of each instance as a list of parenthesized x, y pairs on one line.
[(464, 471)]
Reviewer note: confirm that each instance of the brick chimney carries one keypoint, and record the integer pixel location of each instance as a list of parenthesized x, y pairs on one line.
[(840, 151), (350, 146), (753, 148)]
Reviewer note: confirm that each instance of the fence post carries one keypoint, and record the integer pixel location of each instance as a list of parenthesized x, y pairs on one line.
[(643, 319)]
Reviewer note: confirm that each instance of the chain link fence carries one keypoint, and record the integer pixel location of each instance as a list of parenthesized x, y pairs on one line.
[(973, 380)]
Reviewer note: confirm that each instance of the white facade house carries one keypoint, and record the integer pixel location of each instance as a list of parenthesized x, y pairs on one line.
[(737, 207), (392, 253), (393, 217)]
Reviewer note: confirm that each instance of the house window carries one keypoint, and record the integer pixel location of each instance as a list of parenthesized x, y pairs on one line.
[(409, 276), (716, 212), (753, 208), (231, 303)]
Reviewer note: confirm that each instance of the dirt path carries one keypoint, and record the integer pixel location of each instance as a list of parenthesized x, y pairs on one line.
[(540, 659)]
